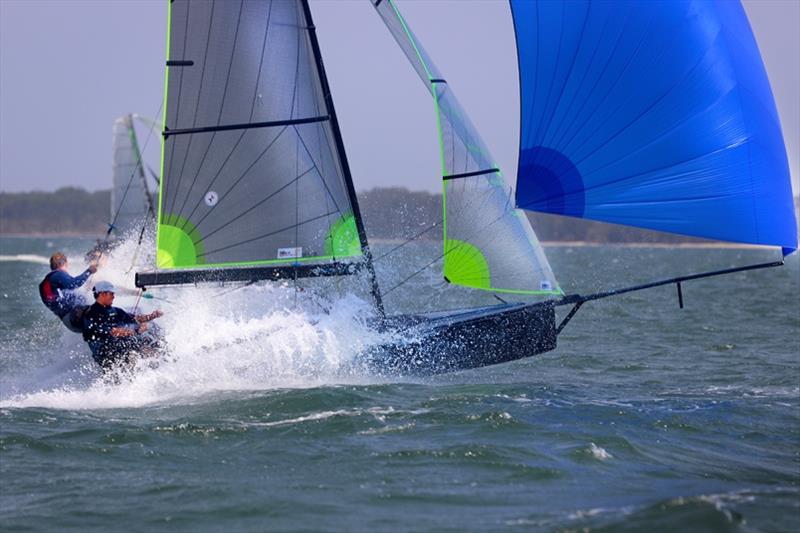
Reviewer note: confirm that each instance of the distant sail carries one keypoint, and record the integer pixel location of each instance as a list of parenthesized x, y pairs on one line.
[(653, 114), (488, 244), (130, 202), (251, 173)]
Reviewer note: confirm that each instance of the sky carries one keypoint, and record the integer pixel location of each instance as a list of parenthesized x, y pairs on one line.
[(68, 69)]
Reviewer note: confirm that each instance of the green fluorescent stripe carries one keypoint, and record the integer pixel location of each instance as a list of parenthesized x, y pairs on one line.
[(556, 292), (257, 263), (164, 125), (411, 39)]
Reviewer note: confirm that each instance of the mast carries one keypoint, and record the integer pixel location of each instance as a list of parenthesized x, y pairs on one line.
[(348, 178)]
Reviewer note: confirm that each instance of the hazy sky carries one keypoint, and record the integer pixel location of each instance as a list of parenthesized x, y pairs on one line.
[(69, 68)]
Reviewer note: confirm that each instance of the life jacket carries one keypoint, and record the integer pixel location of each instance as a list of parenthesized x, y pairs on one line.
[(46, 291)]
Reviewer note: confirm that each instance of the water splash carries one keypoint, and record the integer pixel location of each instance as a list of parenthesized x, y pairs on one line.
[(216, 339), (599, 452)]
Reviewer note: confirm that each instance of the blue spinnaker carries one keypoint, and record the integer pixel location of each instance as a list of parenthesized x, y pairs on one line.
[(651, 114)]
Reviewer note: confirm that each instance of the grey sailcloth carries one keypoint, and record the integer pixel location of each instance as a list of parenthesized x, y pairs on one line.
[(130, 203), (488, 244), (251, 173)]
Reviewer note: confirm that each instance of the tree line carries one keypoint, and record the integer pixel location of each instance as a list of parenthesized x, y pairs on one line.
[(69, 210), (390, 213)]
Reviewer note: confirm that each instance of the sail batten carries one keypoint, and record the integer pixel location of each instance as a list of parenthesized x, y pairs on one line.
[(246, 126), (653, 114), (471, 174)]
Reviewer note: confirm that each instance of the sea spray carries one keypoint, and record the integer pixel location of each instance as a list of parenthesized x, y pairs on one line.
[(215, 338)]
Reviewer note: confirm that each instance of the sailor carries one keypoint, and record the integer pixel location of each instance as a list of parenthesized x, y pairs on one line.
[(114, 335), (57, 291)]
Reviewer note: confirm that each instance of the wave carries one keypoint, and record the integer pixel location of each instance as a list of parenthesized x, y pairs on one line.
[(25, 258)]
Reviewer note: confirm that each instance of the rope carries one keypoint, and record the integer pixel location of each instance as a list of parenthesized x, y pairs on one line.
[(138, 245), (136, 305)]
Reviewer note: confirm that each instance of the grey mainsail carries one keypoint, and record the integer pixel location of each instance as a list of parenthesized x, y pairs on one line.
[(254, 173)]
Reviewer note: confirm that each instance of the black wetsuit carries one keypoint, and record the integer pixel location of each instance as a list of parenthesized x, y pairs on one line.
[(108, 350)]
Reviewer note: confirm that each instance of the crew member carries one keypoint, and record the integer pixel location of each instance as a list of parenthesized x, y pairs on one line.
[(57, 291), (113, 334)]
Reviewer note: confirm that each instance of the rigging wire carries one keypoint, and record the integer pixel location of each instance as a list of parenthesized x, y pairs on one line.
[(414, 274), (407, 241), (438, 258), (139, 163)]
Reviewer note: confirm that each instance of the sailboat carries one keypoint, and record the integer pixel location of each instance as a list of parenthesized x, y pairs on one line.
[(132, 205), (256, 184)]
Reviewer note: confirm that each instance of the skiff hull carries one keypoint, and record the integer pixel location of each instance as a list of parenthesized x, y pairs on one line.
[(438, 343)]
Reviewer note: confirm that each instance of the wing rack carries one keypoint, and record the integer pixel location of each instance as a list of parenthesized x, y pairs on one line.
[(253, 273)]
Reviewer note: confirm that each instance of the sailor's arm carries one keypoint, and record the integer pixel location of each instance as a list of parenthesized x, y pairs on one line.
[(123, 332), (79, 280), (62, 280), (147, 318)]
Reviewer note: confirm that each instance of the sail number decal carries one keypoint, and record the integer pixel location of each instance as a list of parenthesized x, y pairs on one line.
[(290, 253)]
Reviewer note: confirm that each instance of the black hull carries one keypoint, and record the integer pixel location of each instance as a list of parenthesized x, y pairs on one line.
[(435, 344)]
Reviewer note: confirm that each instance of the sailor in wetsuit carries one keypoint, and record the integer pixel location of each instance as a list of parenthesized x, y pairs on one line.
[(113, 334), (57, 291)]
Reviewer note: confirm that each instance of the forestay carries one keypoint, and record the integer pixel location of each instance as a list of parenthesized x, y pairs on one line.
[(651, 114), (488, 244), (251, 172)]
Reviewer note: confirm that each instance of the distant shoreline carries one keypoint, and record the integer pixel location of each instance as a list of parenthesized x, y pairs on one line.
[(388, 215), (632, 244), (564, 244), (550, 244)]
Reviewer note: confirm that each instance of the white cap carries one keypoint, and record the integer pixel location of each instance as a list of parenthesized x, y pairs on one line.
[(103, 286)]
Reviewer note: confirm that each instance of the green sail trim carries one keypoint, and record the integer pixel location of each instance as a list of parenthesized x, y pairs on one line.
[(464, 264), (160, 226), (179, 243), (342, 239)]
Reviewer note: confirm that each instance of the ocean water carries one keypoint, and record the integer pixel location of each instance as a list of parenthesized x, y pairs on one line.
[(647, 417)]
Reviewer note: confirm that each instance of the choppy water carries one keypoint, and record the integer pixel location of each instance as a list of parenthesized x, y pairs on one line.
[(646, 418)]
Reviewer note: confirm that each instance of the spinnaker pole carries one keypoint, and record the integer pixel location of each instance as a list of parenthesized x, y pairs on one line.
[(577, 300)]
